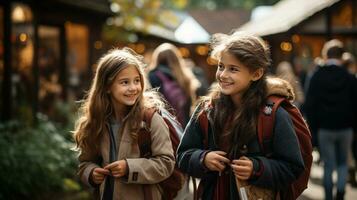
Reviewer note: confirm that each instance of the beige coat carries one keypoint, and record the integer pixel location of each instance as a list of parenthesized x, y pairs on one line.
[(141, 170)]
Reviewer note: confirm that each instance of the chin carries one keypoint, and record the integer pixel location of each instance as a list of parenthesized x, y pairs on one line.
[(131, 103), (225, 92)]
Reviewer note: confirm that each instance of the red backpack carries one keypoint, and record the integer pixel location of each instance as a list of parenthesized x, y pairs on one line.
[(266, 123), (173, 183)]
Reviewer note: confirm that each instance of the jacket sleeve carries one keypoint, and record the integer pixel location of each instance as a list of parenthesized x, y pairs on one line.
[(190, 152), (87, 162), (286, 163), (162, 162)]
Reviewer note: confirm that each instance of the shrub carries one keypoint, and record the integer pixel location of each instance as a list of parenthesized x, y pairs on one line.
[(34, 160)]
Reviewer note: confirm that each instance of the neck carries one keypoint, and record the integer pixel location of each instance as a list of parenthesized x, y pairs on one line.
[(119, 112), (333, 61), (237, 100)]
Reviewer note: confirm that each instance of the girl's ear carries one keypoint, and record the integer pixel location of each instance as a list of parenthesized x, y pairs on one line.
[(257, 74)]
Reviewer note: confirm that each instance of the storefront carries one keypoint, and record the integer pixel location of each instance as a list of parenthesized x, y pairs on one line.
[(299, 36), (47, 52)]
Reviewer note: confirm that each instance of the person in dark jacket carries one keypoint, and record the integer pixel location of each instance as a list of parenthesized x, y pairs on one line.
[(330, 107), (233, 150)]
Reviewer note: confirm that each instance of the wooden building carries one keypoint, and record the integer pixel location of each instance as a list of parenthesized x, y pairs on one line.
[(47, 51), (297, 30)]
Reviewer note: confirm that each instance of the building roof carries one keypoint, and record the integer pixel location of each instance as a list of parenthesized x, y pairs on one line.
[(220, 21), (176, 26), (98, 6), (284, 15)]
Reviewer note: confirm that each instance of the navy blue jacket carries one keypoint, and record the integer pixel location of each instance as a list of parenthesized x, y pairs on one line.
[(331, 99), (282, 168)]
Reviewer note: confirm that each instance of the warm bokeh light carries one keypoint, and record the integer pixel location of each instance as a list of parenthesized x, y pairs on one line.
[(140, 48), (21, 13), (202, 50), (23, 37), (184, 52), (18, 15), (286, 46), (98, 44), (211, 61)]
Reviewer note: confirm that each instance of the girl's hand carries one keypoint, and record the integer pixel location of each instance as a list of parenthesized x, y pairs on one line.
[(99, 174), (216, 160), (117, 168), (242, 168)]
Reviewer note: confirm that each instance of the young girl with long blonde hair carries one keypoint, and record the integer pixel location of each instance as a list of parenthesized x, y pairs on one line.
[(107, 131)]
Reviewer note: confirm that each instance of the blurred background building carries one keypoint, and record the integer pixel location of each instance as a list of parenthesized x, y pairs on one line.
[(297, 30), (47, 51)]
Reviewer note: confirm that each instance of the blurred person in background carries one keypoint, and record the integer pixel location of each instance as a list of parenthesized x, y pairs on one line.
[(349, 62), (330, 107), (200, 75), (285, 71), (175, 80)]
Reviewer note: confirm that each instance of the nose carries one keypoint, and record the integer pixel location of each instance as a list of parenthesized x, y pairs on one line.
[(223, 74), (132, 87)]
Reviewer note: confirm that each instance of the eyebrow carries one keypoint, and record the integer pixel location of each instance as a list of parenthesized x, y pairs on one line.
[(221, 63), (126, 78), (236, 66)]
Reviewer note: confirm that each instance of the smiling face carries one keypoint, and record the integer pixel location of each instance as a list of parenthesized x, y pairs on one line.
[(233, 77), (126, 87)]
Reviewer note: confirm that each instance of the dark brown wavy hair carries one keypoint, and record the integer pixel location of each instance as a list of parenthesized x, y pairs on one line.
[(253, 53)]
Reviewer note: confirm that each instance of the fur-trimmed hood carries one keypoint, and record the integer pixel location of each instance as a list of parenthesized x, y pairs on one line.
[(278, 86)]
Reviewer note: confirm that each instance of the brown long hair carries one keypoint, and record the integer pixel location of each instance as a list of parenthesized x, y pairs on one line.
[(253, 53), (96, 108), (168, 54)]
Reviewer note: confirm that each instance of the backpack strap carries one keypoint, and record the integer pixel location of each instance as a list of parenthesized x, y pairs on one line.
[(144, 143), (144, 136), (266, 121), (203, 120)]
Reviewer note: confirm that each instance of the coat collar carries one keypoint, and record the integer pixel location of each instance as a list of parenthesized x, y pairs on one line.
[(278, 86)]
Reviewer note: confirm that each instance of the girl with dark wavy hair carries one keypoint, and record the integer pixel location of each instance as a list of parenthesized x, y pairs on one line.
[(232, 110)]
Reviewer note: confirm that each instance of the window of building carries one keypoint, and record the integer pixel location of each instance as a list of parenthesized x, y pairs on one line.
[(77, 59), (306, 49), (50, 88), (22, 58), (1, 53), (342, 17)]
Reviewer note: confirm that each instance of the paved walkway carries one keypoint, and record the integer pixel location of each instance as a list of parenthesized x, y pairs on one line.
[(315, 189)]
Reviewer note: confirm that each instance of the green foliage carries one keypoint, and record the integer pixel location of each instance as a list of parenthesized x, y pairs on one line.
[(34, 160), (139, 15)]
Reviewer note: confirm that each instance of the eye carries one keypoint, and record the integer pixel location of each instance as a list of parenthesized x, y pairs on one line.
[(220, 67), (137, 80), (125, 82), (234, 69)]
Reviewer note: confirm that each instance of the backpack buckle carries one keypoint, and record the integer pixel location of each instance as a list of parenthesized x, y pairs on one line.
[(145, 126), (268, 109)]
